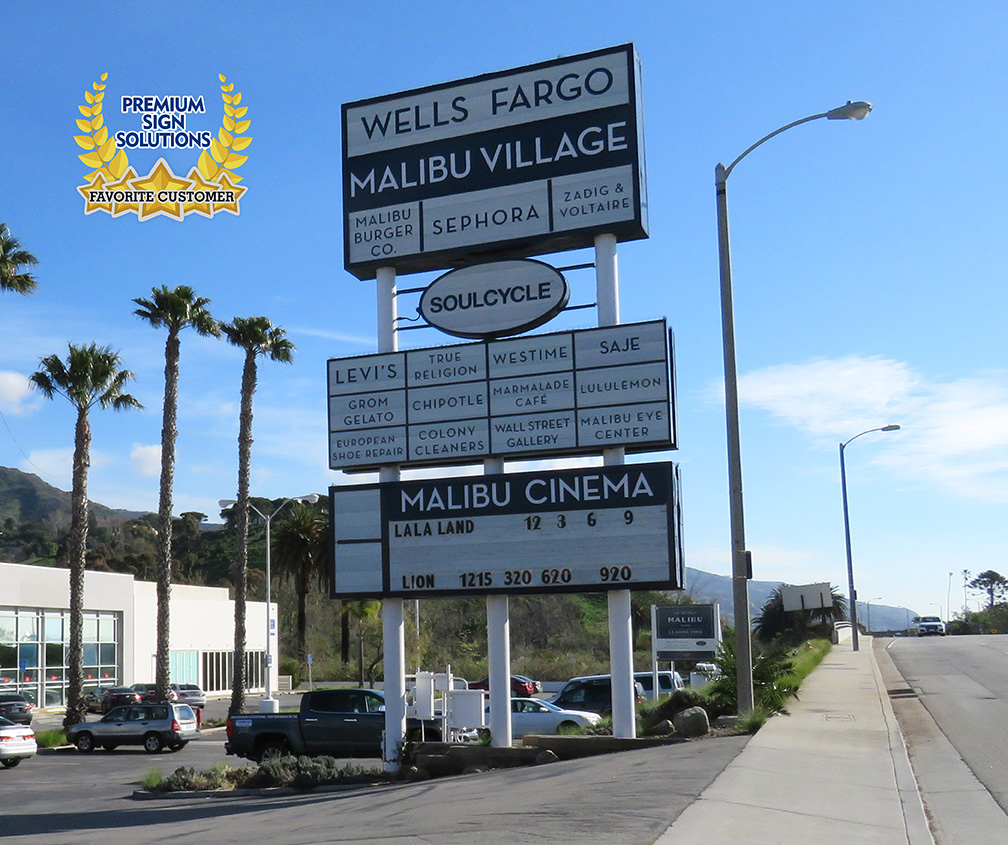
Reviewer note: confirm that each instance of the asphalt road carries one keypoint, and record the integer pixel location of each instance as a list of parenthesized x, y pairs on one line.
[(952, 715), (631, 797)]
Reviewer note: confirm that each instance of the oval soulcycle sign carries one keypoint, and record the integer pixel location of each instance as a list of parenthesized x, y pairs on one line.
[(498, 299)]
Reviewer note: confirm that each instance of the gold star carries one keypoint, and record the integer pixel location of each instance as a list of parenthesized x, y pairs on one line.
[(97, 184), (225, 181), (200, 184), (122, 207), (159, 180)]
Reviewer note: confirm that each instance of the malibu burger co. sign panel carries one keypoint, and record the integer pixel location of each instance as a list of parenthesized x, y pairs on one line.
[(520, 162)]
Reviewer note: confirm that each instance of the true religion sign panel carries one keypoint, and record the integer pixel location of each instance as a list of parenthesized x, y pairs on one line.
[(521, 162)]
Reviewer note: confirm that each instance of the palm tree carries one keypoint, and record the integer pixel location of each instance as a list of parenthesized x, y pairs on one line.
[(12, 258), (174, 310), (92, 375), (774, 620), (301, 553), (257, 336)]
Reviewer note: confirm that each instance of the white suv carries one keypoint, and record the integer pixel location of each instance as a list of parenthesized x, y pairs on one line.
[(930, 625)]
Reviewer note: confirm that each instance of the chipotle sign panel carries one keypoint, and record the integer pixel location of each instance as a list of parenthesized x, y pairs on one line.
[(495, 300)]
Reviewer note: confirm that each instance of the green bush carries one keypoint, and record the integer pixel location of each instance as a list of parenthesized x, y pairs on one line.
[(773, 682), (294, 668), (52, 738), (308, 772), (650, 714)]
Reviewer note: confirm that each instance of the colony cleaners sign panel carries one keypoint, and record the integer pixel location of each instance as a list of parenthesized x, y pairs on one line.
[(520, 162), (593, 528)]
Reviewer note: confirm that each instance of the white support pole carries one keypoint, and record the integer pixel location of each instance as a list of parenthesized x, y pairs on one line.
[(620, 630), (393, 626), (499, 651)]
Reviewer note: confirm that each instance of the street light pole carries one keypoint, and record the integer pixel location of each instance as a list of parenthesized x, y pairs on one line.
[(269, 704), (741, 565), (846, 521), (868, 612)]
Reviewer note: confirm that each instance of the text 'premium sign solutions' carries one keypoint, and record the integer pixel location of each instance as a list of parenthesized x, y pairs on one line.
[(520, 162), (594, 528), (564, 393)]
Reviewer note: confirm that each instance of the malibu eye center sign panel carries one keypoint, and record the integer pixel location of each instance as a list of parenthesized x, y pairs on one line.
[(520, 162), (594, 528), (563, 393)]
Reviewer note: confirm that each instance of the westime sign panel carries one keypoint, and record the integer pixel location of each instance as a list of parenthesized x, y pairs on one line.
[(514, 163)]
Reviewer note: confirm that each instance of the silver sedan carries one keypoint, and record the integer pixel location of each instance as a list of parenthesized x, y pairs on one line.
[(534, 716)]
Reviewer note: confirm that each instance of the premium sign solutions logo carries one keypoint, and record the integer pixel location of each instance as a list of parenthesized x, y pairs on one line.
[(115, 187)]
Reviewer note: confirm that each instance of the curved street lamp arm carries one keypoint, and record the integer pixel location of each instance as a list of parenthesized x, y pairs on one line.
[(763, 140)]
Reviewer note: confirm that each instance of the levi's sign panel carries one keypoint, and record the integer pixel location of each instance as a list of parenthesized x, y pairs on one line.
[(592, 528), (572, 392), (519, 162)]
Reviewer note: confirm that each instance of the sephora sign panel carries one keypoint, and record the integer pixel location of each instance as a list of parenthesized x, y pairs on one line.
[(520, 162)]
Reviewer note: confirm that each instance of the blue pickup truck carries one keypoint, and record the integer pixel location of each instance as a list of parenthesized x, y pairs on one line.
[(335, 722)]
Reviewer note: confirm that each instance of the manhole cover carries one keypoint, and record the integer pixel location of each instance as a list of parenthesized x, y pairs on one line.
[(906, 692)]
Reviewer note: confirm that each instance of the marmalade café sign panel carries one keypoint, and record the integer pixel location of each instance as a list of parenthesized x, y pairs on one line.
[(520, 162)]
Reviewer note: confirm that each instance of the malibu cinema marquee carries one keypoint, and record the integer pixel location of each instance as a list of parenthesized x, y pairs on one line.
[(514, 163)]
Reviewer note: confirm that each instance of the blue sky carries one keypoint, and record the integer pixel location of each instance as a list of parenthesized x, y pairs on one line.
[(868, 257)]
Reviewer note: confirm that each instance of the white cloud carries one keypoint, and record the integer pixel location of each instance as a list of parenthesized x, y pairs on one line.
[(953, 432), (16, 394), (146, 460)]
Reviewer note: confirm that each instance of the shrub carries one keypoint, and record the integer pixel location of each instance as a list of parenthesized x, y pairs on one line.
[(294, 668), (51, 739), (308, 772), (771, 685), (666, 709)]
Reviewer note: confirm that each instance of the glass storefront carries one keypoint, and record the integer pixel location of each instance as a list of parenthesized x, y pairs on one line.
[(33, 652)]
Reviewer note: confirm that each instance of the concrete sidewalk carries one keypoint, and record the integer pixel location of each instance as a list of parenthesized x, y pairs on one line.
[(834, 771)]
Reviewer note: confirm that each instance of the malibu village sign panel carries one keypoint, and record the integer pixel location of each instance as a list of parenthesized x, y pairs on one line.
[(514, 163)]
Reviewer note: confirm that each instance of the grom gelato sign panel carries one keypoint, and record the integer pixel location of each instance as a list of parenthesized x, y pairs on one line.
[(495, 300), (515, 163)]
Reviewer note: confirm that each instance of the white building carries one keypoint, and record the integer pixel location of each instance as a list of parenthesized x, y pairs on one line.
[(120, 633)]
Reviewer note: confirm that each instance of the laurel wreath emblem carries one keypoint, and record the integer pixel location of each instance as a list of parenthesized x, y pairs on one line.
[(209, 187)]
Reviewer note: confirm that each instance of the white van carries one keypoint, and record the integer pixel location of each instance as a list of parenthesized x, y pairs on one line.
[(668, 682)]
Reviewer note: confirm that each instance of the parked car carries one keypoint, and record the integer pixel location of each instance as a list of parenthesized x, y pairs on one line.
[(535, 716), (930, 625), (336, 722), (521, 687), (103, 699), (16, 708), (148, 692), (668, 683), (591, 692), (17, 743), (189, 694), (154, 726)]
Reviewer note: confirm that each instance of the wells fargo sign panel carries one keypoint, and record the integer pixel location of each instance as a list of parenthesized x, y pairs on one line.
[(515, 163)]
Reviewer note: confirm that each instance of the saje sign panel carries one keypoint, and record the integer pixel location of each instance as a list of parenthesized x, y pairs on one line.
[(592, 528), (520, 162), (493, 300)]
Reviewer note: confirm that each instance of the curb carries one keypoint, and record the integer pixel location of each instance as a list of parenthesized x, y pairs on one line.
[(914, 817)]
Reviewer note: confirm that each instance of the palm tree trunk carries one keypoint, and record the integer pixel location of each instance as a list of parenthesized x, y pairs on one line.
[(242, 508), (302, 626), (76, 711), (162, 661), (345, 634)]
